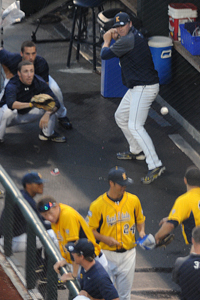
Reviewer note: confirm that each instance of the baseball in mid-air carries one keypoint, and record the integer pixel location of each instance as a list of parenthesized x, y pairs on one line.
[(164, 110)]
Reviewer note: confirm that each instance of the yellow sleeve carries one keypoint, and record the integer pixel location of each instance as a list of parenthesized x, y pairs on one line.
[(180, 210), (94, 214)]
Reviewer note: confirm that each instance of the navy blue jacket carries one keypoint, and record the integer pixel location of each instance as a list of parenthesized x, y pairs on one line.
[(135, 57), (15, 90), (11, 61), (19, 226), (97, 283), (187, 275)]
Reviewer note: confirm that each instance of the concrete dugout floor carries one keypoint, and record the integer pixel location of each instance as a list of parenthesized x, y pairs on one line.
[(90, 152)]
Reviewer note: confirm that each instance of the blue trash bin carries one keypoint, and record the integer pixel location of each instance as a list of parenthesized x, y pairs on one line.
[(111, 79), (161, 50)]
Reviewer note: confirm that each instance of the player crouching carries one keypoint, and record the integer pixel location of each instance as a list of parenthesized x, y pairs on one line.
[(17, 107)]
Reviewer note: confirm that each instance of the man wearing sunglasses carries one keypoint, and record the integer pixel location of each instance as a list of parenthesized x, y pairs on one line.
[(69, 226), (33, 185)]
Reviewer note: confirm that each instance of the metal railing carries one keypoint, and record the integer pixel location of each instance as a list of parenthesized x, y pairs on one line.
[(34, 228)]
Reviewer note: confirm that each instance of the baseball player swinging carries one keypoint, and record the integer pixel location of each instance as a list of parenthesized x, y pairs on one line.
[(141, 79)]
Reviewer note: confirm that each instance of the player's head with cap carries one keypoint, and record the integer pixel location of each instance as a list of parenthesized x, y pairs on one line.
[(118, 175), (192, 176), (33, 183), (122, 23), (82, 247), (121, 19), (118, 181), (49, 209), (32, 177)]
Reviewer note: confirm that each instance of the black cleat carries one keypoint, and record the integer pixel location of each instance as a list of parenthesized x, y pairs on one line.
[(129, 155), (65, 122), (54, 137), (153, 174)]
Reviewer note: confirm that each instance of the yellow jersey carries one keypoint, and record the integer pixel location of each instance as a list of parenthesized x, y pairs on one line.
[(186, 211), (70, 227), (117, 220)]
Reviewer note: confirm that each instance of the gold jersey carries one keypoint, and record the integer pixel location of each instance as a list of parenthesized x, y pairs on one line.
[(116, 219), (71, 226), (186, 211)]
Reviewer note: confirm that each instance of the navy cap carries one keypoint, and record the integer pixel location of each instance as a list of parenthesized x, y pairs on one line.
[(118, 175), (121, 19), (82, 246), (32, 177)]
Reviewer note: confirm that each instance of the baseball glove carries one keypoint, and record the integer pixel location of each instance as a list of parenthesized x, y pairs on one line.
[(165, 241), (43, 101)]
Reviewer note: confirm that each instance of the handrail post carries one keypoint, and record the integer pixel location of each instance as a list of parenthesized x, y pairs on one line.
[(52, 281), (8, 224), (30, 257), (13, 196)]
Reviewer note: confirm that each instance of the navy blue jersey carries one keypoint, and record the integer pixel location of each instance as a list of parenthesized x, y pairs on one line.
[(136, 62), (186, 274), (19, 225), (96, 282), (11, 61), (15, 90)]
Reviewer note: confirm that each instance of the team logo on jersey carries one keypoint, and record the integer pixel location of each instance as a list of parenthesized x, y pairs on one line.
[(111, 220), (173, 211), (89, 213), (123, 217), (67, 231), (199, 205)]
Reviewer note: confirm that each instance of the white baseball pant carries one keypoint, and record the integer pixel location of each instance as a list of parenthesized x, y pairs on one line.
[(103, 261), (121, 268), (10, 118), (131, 116), (62, 111), (19, 243)]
